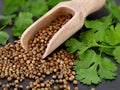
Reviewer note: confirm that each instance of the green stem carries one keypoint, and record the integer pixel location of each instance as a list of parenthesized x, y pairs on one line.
[(102, 46), (3, 27), (106, 46), (82, 51)]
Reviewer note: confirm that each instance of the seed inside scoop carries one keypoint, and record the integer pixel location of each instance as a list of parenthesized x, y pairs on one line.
[(16, 64), (42, 38)]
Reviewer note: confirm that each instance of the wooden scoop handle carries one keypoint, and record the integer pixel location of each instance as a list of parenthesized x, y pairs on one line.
[(87, 6), (79, 9)]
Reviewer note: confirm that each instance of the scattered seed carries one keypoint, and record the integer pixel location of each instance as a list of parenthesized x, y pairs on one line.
[(92, 88), (61, 87), (18, 64), (15, 88), (75, 82), (55, 88), (0, 84), (54, 76), (27, 87), (9, 78), (76, 88)]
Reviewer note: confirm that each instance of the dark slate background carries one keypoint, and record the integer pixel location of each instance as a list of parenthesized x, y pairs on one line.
[(105, 85)]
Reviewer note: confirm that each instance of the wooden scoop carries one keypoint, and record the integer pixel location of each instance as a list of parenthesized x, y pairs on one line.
[(79, 9)]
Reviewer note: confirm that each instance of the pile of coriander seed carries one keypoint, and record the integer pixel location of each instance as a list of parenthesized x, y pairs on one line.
[(16, 64)]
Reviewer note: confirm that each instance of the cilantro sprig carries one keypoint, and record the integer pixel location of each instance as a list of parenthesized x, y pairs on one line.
[(102, 35), (92, 67)]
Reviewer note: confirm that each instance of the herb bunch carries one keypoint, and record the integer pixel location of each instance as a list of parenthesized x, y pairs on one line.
[(104, 35), (19, 14)]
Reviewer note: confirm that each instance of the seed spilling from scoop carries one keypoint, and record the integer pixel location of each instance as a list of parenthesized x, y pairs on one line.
[(16, 64)]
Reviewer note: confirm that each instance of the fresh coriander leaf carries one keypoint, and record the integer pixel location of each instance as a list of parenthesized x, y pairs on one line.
[(88, 76), (39, 8), (6, 19), (116, 53), (85, 60), (11, 6), (3, 37), (22, 22), (16, 31), (91, 68), (87, 40), (87, 36), (110, 2), (107, 69), (114, 10), (24, 19), (86, 68), (25, 7), (112, 36), (73, 45), (93, 24), (52, 3), (99, 26), (85, 47), (107, 51)]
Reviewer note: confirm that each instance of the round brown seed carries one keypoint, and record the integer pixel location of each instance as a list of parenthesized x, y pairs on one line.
[(76, 88), (75, 82), (55, 87)]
